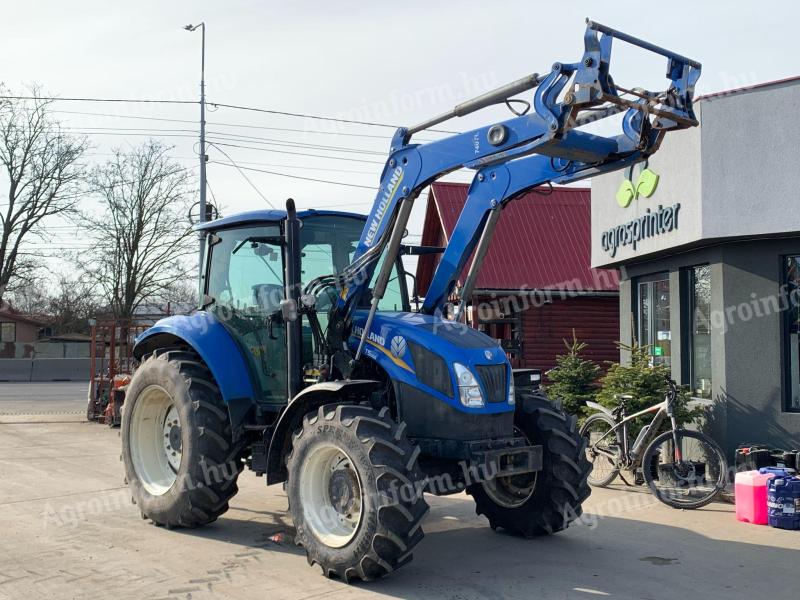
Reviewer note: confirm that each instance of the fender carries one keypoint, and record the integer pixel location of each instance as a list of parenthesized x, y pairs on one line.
[(309, 399), (208, 337), (599, 407)]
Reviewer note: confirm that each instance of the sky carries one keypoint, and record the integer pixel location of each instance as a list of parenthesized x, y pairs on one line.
[(392, 63)]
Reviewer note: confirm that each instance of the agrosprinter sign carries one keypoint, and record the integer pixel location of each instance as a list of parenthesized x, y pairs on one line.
[(651, 224)]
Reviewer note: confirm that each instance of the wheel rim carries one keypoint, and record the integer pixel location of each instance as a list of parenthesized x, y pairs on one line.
[(690, 473), (331, 495), (512, 491), (155, 440), (602, 466)]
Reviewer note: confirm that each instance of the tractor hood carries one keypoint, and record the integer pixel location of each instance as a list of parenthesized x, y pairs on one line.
[(397, 338)]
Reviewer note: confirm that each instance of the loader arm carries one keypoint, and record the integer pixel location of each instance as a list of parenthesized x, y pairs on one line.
[(495, 186), (543, 146)]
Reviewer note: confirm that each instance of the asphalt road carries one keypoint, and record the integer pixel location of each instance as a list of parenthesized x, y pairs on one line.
[(69, 530), (40, 399)]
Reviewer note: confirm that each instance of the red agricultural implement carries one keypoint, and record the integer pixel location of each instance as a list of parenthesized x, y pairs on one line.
[(110, 368)]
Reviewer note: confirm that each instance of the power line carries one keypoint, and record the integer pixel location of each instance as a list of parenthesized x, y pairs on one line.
[(70, 128), (120, 100), (306, 168), (321, 118), (216, 104), (249, 139), (360, 160), (239, 125), (122, 133), (97, 114), (222, 136), (382, 137), (354, 185), (242, 173)]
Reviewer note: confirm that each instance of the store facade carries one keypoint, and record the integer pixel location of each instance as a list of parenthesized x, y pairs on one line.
[(709, 260)]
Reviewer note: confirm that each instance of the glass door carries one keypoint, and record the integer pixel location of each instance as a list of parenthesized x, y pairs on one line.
[(246, 284), (653, 318)]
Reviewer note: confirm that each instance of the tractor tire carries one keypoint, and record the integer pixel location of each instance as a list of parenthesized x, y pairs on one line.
[(180, 462), (355, 492), (550, 500)]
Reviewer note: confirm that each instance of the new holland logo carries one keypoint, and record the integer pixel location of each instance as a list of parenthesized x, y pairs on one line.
[(398, 346), (383, 204), (488, 354)]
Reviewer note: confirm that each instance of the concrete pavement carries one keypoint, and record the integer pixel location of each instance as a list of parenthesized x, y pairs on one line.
[(68, 530)]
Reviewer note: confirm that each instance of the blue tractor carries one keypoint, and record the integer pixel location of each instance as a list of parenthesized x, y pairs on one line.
[(306, 364)]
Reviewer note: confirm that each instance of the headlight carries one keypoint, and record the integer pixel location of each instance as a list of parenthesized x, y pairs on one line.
[(511, 391), (468, 389)]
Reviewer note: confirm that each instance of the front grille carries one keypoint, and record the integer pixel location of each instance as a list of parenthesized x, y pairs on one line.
[(431, 369), (494, 381)]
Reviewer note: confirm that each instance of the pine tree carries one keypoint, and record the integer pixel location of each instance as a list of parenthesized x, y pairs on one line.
[(574, 378)]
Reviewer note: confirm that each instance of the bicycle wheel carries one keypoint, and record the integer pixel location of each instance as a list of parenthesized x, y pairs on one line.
[(688, 475), (598, 446)]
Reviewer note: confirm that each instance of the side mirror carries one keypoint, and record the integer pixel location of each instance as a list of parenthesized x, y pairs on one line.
[(289, 310)]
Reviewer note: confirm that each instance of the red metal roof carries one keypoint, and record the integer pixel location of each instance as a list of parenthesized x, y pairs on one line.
[(542, 242)]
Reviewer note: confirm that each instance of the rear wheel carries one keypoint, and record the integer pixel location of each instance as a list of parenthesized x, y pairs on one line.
[(688, 474), (600, 445), (548, 501), (354, 492), (179, 460)]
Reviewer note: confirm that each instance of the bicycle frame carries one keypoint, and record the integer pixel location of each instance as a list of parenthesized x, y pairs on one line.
[(631, 456)]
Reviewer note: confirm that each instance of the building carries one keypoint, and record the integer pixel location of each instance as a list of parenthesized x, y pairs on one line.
[(535, 286), (710, 260), (19, 332)]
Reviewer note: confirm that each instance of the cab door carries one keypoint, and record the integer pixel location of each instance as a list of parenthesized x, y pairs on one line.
[(245, 285)]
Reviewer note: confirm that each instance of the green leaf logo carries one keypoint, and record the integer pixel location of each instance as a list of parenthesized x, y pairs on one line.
[(626, 193), (646, 185)]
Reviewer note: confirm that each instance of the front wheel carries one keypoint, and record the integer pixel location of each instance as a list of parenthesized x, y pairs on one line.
[(548, 501), (687, 474), (355, 492), (602, 448)]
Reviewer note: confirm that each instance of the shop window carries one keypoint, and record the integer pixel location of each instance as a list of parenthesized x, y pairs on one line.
[(791, 330), (8, 332), (653, 319), (700, 332)]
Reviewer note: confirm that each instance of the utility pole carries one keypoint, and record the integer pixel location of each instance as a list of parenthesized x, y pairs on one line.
[(202, 217)]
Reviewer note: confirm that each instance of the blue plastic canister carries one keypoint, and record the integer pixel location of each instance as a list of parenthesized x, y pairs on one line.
[(783, 502)]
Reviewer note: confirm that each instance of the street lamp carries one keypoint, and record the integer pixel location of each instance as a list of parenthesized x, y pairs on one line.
[(202, 216)]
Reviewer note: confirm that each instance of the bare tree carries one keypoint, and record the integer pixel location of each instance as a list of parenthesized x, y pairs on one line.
[(68, 302), (72, 303), (40, 165), (29, 297), (142, 236)]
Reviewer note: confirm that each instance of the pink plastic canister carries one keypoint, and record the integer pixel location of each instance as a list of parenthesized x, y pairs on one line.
[(750, 489)]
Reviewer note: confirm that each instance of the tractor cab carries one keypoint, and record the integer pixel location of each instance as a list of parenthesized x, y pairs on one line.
[(244, 284)]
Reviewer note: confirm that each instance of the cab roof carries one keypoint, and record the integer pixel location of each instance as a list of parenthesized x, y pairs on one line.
[(267, 216)]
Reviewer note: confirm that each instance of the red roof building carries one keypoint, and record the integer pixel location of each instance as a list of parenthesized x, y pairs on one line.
[(536, 285)]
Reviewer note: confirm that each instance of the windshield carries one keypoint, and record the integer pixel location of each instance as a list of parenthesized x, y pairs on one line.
[(328, 244)]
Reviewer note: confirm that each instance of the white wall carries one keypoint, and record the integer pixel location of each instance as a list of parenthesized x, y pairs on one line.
[(737, 174)]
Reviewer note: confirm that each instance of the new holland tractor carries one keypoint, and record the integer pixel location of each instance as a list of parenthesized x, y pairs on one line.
[(305, 363)]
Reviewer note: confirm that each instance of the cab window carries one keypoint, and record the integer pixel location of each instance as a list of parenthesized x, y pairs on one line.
[(328, 244)]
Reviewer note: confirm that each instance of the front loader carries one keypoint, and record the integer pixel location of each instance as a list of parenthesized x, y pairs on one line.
[(306, 364)]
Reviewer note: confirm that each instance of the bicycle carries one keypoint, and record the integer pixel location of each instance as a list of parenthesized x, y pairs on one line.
[(679, 474)]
